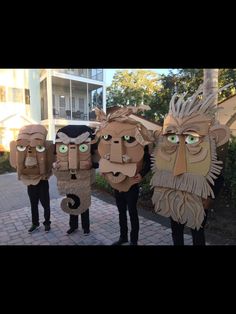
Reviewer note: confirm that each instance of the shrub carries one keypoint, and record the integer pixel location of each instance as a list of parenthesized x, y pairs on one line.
[(5, 164), (230, 171), (102, 184), (145, 190)]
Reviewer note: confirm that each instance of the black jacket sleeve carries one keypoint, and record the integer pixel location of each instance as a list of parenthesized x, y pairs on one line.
[(146, 162), (95, 165), (94, 147)]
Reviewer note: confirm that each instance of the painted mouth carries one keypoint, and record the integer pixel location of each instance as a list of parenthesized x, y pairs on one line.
[(116, 177)]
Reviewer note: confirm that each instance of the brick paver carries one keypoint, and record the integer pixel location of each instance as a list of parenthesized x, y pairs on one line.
[(104, 223)]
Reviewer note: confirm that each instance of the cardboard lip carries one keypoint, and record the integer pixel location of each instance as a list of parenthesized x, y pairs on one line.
[(116, 179), (106, 166)]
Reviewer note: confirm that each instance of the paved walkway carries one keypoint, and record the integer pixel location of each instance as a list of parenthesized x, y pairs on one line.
[(103, 221), (14, 222)]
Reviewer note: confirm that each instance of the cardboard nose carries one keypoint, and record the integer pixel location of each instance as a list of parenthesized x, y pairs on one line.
[(180, 162), (116, 150), (73, 157)]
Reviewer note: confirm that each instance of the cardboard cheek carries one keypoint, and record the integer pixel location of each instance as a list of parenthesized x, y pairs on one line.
[(20, 161), (203, 166), (163, 163), (84, 156), (135, 153), (63, 159), (103, 149)]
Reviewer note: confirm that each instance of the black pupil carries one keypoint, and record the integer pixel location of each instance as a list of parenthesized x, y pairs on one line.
[(129, 139)]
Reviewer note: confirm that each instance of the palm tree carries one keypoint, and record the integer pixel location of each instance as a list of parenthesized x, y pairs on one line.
[(210, 83)]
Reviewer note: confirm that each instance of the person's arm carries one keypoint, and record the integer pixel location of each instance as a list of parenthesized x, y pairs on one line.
[(95, 156), (95, 165), (146, 163), (146, 166)]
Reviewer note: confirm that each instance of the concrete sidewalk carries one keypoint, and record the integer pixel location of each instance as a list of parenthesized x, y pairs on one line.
[(104, 225)]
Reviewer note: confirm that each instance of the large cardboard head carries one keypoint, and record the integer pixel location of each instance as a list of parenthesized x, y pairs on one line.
[(121, 147), (31, 154), (74, 173), (185, 159)]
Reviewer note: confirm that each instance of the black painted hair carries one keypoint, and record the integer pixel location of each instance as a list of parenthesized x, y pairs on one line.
[(76, 130)]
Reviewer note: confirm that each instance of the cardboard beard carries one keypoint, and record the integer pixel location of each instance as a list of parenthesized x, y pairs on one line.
[(121, 147), (73, 152), (32, 155), (185, 159)]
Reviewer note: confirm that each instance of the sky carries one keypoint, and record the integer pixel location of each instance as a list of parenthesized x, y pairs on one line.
[(110, 72)]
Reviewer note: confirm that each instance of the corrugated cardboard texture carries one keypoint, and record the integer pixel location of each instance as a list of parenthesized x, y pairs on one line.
[(32, 166), (81, 187), (182, 207)]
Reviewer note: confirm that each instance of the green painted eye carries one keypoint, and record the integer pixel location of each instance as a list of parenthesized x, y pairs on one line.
[(173, 138), (40, 148), (63, 149), (190, 139), (106, 137), (83, 148), (21, 148), (128, 138)]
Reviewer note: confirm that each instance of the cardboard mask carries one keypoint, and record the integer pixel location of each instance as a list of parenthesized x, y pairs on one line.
[(121, 147), (73, 154), (32, 155), (185, 159)]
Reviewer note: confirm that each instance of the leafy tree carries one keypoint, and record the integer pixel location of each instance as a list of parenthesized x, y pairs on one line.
[(132, 87)]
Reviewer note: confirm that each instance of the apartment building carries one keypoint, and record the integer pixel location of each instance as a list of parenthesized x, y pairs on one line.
[(51, 97)]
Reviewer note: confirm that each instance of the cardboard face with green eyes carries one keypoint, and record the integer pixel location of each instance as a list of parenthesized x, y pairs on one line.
[(74, 171), (73, 156), (184, 146), (121, 148), (31, 154), (185, 159)]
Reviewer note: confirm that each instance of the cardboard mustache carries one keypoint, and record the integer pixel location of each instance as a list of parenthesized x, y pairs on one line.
[(106, 166)]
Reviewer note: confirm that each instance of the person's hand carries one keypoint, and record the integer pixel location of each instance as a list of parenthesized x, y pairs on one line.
[(56, 164), (207, 203), (137, 178)]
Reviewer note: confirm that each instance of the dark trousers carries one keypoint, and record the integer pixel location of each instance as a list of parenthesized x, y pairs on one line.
[(198, 236), (128, 200), (39, 192), (74, 221)]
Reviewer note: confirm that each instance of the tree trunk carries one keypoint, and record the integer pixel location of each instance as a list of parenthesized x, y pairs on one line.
[(210, 83)]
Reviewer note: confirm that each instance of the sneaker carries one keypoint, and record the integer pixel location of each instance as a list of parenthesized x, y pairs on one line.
[(33, 228), (86, 232), (71, 230), (47, 228), (120, 242)]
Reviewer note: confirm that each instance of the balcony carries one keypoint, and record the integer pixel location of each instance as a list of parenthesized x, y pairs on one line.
[(94, 74)]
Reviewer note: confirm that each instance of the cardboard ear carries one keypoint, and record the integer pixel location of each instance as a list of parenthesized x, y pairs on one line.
[(221, 134), (12, 157), (157, 133)]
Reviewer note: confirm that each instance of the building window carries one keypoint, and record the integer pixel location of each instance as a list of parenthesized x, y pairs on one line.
[(81, 104), (15, 94), (2, 94), (62, 101)]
